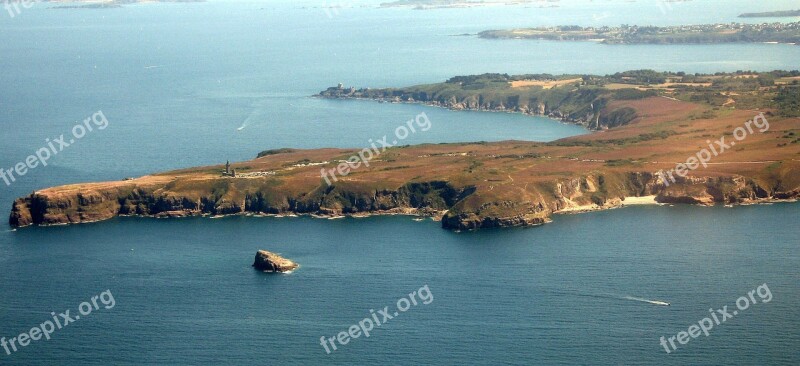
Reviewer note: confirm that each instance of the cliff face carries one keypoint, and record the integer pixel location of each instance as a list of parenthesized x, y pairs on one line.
[(465, 207), (225, 198), (595, 192), (470, 185), (584, 107)]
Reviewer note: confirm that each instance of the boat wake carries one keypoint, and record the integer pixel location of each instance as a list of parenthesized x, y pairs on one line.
[(259, 113), (246, 122), (609, 296), (654, 302)]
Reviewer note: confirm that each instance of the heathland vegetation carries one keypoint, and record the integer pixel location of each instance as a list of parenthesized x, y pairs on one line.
[(662, 119), (585, 99)]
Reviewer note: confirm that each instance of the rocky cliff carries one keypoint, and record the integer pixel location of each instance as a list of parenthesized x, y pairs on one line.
[(586, 107), (467, 185), (460, 207)]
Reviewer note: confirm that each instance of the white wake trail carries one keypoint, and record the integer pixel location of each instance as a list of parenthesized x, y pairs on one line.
[(654, 302), (259, 113), (244, 124)]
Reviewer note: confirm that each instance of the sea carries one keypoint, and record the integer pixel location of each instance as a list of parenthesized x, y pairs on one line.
[(191, 84)]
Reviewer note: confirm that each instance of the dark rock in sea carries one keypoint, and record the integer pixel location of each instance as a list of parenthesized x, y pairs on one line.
[(271, 262)]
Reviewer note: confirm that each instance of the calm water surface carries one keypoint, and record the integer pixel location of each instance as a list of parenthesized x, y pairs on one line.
[(185, 85)]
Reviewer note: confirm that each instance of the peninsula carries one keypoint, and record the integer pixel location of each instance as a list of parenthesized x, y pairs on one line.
[(772, 14), (586, 99), (683, 34), (646, 123)]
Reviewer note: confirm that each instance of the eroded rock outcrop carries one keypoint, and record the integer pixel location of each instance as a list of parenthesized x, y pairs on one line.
[(270, 262), (224, 196), (603, 191)]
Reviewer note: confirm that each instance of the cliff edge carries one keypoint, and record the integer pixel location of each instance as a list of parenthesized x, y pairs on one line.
[(466, 185)]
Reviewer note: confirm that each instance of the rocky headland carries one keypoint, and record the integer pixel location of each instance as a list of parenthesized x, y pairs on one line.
[(468, 185), (496, 93)]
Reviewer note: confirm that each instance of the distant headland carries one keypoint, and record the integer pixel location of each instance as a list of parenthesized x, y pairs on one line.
[(772, 14), (587, 99), (682, 34), (647, 123)]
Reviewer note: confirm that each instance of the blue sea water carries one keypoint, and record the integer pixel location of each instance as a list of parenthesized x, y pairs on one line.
[(197, 84)]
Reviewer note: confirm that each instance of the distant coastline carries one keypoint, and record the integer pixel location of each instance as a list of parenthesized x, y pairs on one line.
[(772, 14), (108, 4), (788, 33)]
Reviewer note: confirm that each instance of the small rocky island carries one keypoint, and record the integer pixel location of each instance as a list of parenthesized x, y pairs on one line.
[(270, 262)]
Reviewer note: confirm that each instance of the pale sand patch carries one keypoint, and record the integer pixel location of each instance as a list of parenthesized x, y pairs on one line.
[(787, 80), (573, 207), (545, 84), (668, 86), (644, 200), (579, 209)]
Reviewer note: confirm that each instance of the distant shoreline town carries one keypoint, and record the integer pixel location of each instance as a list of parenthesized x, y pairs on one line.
[(682, 34)]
